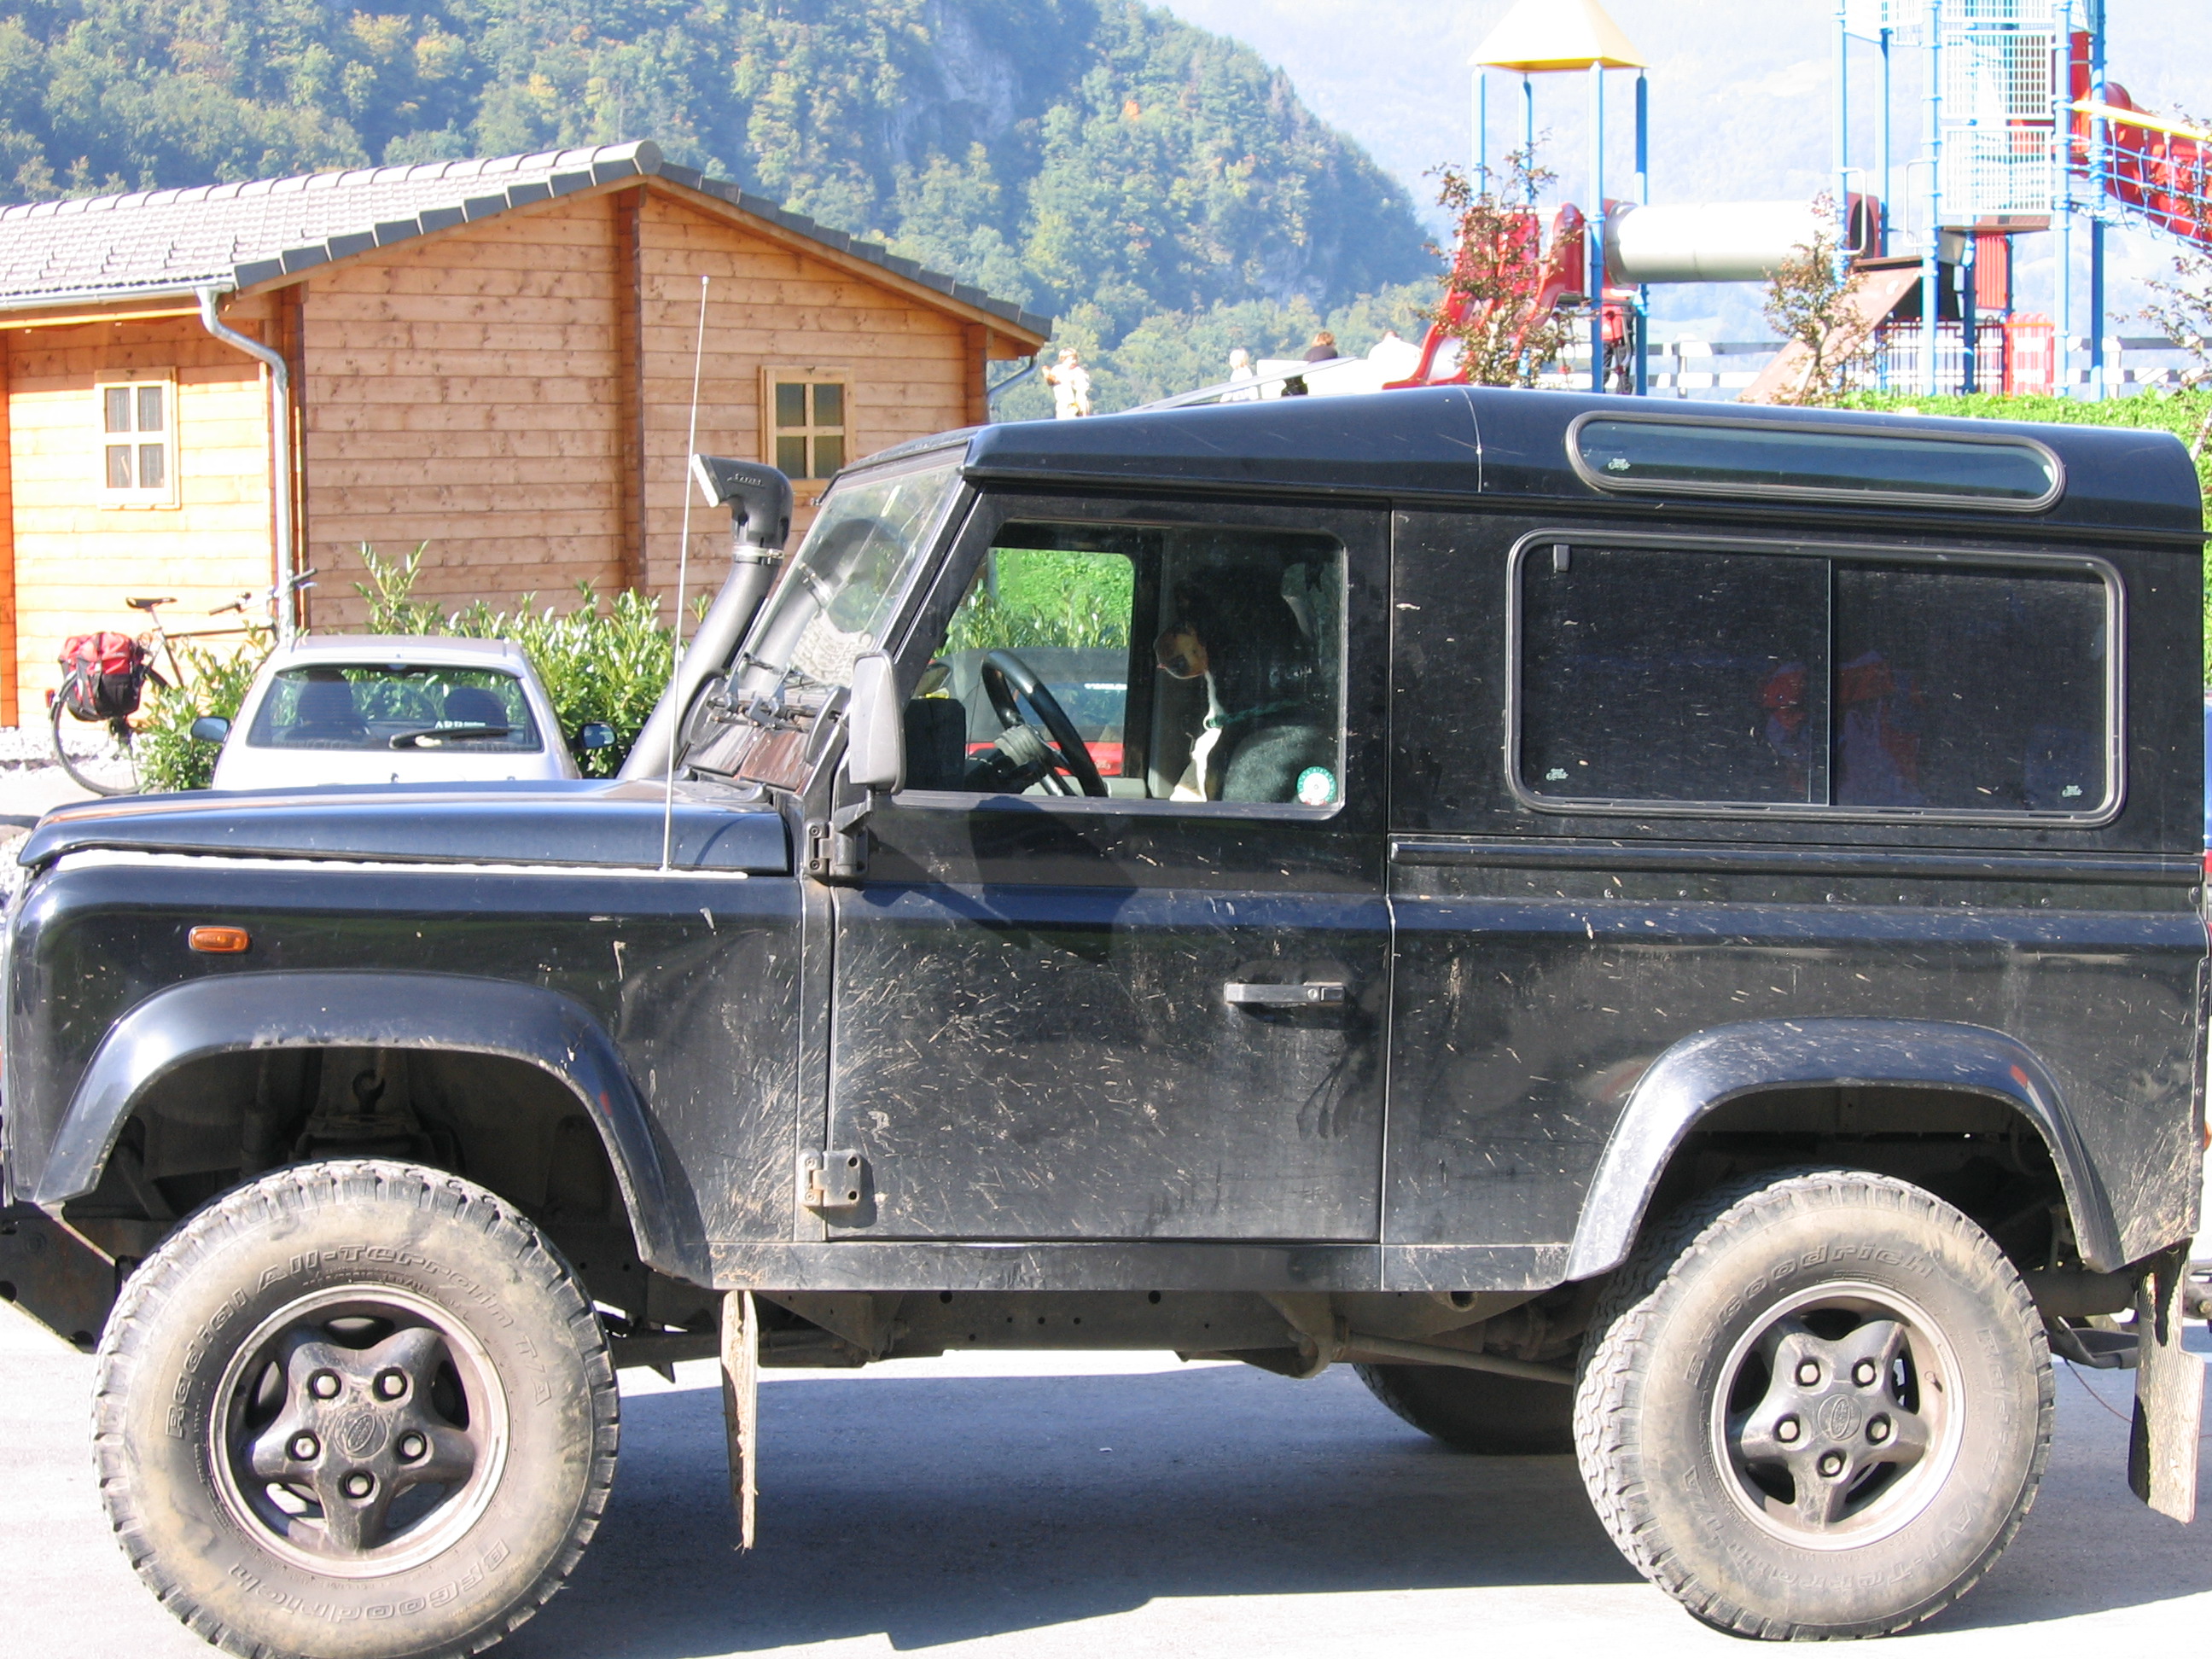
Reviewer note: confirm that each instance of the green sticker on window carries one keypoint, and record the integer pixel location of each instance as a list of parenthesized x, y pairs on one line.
[(1316, 786)]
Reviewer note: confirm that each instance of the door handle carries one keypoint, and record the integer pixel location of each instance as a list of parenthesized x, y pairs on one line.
[(1314, 993)]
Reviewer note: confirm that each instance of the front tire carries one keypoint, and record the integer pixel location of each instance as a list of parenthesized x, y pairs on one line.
[(1814, 1405), (357, 1411)]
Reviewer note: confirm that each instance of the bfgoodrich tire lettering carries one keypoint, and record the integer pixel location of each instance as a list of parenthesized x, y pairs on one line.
[(355, 1411), (1814, 1404)]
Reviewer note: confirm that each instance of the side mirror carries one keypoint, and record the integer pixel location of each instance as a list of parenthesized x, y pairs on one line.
[(875, 743), (596, 735), (210, 728)]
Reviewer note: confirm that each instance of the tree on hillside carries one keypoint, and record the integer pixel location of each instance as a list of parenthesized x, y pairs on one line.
[(1060, 152), (1492, 290), (1812, 303)]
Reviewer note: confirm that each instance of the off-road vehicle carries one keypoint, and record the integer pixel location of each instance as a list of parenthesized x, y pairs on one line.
[(1672, 934)]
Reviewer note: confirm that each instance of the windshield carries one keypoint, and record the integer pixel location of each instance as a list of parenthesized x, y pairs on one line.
[(395, 706), (845, 582)]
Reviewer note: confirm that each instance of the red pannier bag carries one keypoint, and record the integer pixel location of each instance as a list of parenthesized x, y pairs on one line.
[(103, 675)]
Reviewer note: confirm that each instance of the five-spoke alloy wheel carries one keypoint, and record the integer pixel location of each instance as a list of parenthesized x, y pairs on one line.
[(1815, 1404), (357, 1411)]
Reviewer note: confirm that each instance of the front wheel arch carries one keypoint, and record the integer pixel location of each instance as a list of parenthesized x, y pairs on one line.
[(231, 1014)]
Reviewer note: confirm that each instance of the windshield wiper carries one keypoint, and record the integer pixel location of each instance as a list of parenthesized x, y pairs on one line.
[(431, 737)]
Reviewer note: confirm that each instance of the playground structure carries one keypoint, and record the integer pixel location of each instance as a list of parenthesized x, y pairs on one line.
[(2022, 134)]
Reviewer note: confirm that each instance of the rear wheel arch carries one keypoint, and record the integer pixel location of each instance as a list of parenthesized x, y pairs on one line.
[(1764, 1084)]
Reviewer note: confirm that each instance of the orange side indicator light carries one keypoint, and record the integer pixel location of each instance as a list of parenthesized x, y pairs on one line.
[(220, 941)]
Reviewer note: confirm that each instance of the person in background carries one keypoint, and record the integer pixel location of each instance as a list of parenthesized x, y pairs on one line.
[(1243, 379), (1323, 349), (1071, 386)]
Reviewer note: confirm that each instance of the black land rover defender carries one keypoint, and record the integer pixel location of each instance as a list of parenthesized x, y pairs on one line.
[(1673, 935)]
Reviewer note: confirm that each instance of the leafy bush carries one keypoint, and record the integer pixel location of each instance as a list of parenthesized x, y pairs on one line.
[(1046, 598), (168, 755), (605, 665)]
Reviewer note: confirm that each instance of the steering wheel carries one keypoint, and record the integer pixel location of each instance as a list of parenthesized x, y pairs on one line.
[(1004, 676)]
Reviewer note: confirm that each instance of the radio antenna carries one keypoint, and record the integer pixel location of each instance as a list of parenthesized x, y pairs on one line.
[(683, 573)]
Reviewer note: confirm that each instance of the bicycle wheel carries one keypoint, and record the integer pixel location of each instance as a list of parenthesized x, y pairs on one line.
[(97, 754)]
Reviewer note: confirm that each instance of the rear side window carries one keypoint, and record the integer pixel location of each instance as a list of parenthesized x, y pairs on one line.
[(1682, 677)]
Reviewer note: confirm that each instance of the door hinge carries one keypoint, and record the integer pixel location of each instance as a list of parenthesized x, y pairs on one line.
[(832, 1180)]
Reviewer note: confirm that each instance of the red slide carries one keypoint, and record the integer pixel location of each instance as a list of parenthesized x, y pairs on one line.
[(2166, 176)]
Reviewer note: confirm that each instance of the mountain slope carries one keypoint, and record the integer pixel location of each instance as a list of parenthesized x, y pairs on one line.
[(1065, 153)]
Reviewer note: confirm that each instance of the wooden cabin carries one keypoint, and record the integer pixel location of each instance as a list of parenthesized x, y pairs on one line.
[(491, 359)]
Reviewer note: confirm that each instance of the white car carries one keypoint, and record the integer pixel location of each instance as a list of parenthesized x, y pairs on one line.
[(384, 708)]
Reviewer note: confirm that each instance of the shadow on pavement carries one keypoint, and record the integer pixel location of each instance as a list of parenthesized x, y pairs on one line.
[(941, 1510), (930, 1511)]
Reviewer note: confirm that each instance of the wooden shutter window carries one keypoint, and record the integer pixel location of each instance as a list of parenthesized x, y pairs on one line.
[(804, 417)]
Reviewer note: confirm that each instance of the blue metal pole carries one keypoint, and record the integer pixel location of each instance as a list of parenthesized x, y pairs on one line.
[(2062, 343), (1881, 160), (1642, 344), (1528, 127), (1843, 141), (1594, 226), (2100, 149), (1931, 258), (1482, 131)]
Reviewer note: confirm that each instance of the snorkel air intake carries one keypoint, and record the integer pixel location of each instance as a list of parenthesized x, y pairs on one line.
[(759, 500)]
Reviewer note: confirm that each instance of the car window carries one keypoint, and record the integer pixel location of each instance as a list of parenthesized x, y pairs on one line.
[(396, 707), (1669, 674), (1195, 665)]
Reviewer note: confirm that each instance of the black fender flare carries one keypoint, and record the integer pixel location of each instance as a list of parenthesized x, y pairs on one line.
[(1727, 1062), (230, 1013)]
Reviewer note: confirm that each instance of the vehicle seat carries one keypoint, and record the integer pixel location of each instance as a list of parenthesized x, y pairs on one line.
[(325, 712), (473, 705)]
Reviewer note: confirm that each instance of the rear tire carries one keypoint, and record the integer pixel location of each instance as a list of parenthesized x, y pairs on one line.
[(357, 1411), (1479, 1412), (1813, 1406), (99, 755)]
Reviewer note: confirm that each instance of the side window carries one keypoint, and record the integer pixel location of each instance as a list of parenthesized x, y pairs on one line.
[(1648, 674), (1195, 666), (804, 417), (1676, 676), (139, 442)]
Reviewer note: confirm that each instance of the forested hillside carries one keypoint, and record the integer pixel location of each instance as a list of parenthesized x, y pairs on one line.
[(1094, 158)]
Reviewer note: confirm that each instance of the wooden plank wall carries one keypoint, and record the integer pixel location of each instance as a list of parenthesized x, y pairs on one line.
[(75, 561), (515, 393), (462, 392), (769, 306)]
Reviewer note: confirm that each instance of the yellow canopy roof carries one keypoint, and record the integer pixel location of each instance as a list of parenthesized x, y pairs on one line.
[(1557, 34)]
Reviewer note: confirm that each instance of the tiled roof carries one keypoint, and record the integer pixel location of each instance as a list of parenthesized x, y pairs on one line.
[(233, 236)]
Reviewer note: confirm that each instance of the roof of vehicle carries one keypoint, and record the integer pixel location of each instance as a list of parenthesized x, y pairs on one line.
[(1464, 441), (411, 649)]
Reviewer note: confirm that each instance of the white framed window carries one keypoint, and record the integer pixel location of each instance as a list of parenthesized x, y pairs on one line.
[(137, 456)]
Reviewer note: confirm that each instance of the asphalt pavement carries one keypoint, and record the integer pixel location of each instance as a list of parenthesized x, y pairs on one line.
[(1079, 1507)]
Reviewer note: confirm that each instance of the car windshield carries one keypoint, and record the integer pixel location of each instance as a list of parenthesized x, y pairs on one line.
[(846, 580), (432, 707)]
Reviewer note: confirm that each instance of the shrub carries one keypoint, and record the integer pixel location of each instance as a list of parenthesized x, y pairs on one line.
[(168, 755)]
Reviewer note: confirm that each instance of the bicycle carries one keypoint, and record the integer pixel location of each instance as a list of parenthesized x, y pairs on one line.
[(104, 758)]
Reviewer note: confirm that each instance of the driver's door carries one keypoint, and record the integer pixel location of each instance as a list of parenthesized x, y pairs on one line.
[(1124, 1015)]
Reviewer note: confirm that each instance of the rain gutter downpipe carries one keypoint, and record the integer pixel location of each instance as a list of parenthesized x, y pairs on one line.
[(280, 442)]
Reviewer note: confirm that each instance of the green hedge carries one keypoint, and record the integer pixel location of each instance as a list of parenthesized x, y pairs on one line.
[(600, 664)]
